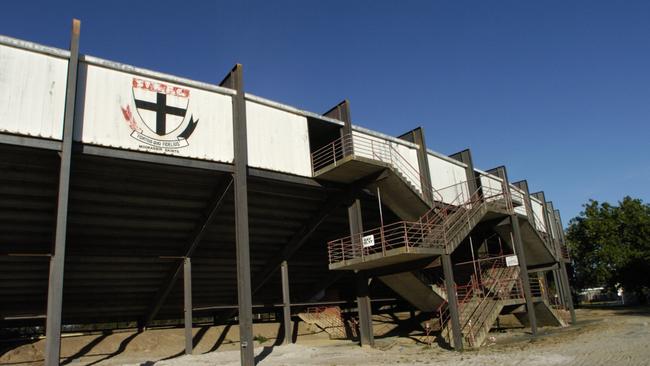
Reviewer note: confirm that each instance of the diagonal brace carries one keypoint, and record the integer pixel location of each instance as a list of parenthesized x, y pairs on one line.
[(197, 235)]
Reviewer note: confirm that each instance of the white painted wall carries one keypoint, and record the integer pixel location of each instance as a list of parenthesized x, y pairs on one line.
[(518, 198), (492, 186), (104, 94), (277, 140), (377, 148), (449, 180), (538, 210), (32, 93)]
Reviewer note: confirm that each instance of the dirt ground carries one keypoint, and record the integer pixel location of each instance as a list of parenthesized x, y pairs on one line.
[(606, 336)]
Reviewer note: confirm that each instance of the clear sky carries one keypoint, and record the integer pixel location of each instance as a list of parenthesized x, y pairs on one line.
[(558, 91)]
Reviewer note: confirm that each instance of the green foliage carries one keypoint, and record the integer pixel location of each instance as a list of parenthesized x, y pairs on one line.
[(260, 338), (610, 245)]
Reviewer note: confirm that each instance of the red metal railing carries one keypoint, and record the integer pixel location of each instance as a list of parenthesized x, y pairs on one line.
[(367, 147), (495, 281), (440, 227)]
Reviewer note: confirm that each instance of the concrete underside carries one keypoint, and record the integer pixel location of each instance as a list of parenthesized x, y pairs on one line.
[(396, 191)]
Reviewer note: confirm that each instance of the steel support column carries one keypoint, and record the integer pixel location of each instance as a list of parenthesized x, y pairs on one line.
[(286, 303), (342, 112), (57, 261), (452, 302), (558, 286), (416, 136), (366, 332), (567, 285), (235, 81), (187, 296), (523, 273), (465, 157), (521, 254), (568, 299), (366, 336)]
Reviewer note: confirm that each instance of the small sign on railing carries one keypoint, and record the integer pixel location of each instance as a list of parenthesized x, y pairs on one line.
[(512, 261), (368, 241)]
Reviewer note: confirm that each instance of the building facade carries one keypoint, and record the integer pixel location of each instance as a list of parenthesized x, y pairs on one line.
[(133, 196)]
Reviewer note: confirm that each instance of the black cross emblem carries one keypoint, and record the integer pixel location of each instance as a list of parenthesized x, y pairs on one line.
[(162, 110)]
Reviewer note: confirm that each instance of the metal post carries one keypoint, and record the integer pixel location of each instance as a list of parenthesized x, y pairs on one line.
[(363, 299), (187, 294), (558, 286), (567, 291), (471, 246), (286, 303), (416, 136), (57, 261), (523, 273), (235, 81), (366, 333), (452, 302), (381, 222), (465, 156)]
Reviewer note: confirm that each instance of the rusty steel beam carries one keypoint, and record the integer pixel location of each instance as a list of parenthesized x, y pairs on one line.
[(57, 261)]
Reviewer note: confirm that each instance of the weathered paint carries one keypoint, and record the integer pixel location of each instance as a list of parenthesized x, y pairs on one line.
[(108, 115), (538, 211), (277, 140), (32, 93), (449, 180), (404, 157)]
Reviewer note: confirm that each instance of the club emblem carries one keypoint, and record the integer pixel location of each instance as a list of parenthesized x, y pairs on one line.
[(160, 118)]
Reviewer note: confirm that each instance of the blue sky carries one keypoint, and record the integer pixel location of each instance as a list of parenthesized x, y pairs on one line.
[(558, 91)]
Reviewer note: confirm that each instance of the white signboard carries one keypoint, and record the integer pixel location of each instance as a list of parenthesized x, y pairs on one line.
[(32, 93), (368, 241), (512, 261), (140, 113)]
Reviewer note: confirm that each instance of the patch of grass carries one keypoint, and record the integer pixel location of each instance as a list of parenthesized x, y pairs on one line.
[(260, 338)]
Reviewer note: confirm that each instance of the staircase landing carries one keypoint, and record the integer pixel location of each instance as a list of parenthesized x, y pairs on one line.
[(385, 258)]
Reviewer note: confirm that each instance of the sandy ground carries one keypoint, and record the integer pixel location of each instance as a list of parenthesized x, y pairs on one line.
[(602, 337)]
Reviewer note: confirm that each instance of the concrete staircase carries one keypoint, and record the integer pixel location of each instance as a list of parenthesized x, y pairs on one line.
[(536, 248), (412, 289), (546, 315)]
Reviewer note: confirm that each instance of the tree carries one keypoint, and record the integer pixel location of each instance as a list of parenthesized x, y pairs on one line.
[(610, 245)]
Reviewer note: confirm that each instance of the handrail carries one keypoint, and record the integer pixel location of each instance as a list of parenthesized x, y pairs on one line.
[(373, 148), (506, 285), (437, 228)]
